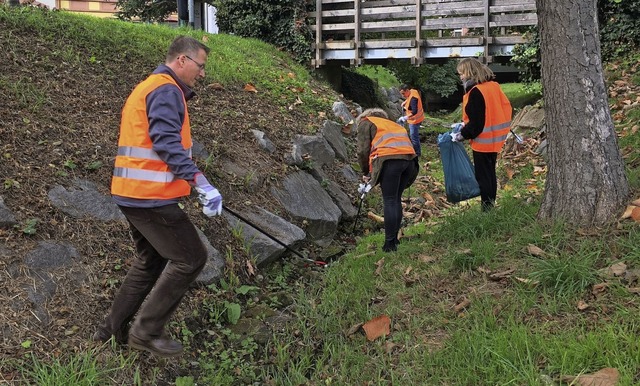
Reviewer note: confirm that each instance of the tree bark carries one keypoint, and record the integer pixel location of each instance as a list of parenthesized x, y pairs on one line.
[(586, 182)]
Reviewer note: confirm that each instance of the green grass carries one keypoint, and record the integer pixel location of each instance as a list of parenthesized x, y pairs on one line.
[(82, 369), (521, 95), (232, 60), (380, 74)]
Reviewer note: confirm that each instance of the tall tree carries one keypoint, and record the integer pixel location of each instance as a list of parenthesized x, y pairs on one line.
[(586, 181)]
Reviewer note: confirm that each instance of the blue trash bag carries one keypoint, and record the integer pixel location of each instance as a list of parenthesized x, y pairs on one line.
[(459, 179)]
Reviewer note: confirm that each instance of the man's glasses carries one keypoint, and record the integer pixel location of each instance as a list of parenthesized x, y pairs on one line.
[(200, 65)]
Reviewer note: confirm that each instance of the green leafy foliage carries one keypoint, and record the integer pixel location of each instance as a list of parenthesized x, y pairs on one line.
[(146, 11), (440, 79), (619, 27), (527, 57), (233, 312), (619, 22), (279, 22)]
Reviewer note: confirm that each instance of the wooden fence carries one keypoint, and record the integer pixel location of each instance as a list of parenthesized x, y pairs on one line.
[(375, 30)]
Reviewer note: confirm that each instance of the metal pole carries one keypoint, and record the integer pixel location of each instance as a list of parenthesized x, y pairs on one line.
[(358, 214)]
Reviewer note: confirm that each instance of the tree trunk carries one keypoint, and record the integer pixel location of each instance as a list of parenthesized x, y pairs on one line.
[(586, 182), (14, 3)]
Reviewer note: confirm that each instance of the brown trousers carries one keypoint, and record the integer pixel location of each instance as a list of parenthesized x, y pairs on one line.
[(170, 257)]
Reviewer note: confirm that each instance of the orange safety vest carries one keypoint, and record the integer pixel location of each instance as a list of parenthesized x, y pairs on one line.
[(139, 172), (406, 106), (497, 118), (390, 139)]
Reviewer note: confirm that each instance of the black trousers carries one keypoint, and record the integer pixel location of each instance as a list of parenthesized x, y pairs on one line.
[(170, 257), (485, 168), (394, 179)]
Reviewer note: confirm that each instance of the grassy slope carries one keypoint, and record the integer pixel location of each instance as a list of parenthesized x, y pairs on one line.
[(548, 317)]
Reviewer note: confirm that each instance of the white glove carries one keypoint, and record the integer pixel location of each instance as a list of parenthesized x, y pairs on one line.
[(208, 196), (402, 119), (456, 127), (364, 188), (456, 137)]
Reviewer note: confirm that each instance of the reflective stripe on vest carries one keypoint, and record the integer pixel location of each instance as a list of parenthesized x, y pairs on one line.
[(406, 106), (139, 172), (497, 120), (140, 152), (390, 139)]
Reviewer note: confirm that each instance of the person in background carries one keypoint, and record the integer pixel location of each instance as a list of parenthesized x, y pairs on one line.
[(153, 170), (386, 156), (413, 114), (486, 117)]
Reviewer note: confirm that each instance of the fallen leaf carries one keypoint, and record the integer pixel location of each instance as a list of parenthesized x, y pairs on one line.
[(510, 172), (636, 202), (408, 271), (216, 86), (291, 75), (618, 269), (427, 258), (375, 217), (379, 264), (582, 305), (389, 346), (250, 87), (354, 329), (462, 305), (501, 275), (538, 170), (527, 281), (635, 214), (365, 254), (605, 377), (297, 102), (599, 288), (250, 270), (534, 250), (627, 212), (377, 327)]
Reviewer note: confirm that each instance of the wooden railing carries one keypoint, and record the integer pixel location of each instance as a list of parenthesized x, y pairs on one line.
[(376, 30)]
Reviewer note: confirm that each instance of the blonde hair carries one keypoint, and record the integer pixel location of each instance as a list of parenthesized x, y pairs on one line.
[(473, 69)]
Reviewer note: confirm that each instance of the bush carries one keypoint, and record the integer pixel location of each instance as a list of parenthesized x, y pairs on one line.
[(278, 22), (619, 27), (440, 79)]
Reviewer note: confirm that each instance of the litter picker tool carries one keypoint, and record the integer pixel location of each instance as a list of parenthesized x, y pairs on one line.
[(288, 248), (363, 189), (518, 138)]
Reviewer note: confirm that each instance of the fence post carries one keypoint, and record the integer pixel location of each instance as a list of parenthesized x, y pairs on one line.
[(318, 61), (418, 60), (357, 60), (487, 35)]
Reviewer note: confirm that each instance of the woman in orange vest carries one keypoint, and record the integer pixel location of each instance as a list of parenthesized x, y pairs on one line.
[(386, 155), (413, 114), (486, 115)]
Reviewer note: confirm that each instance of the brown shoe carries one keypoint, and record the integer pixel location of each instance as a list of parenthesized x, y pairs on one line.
[(162, 346), (103, 336)]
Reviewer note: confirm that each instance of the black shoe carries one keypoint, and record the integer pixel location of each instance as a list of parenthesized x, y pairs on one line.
[(487, 206), (390, 246), (162, 346)]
